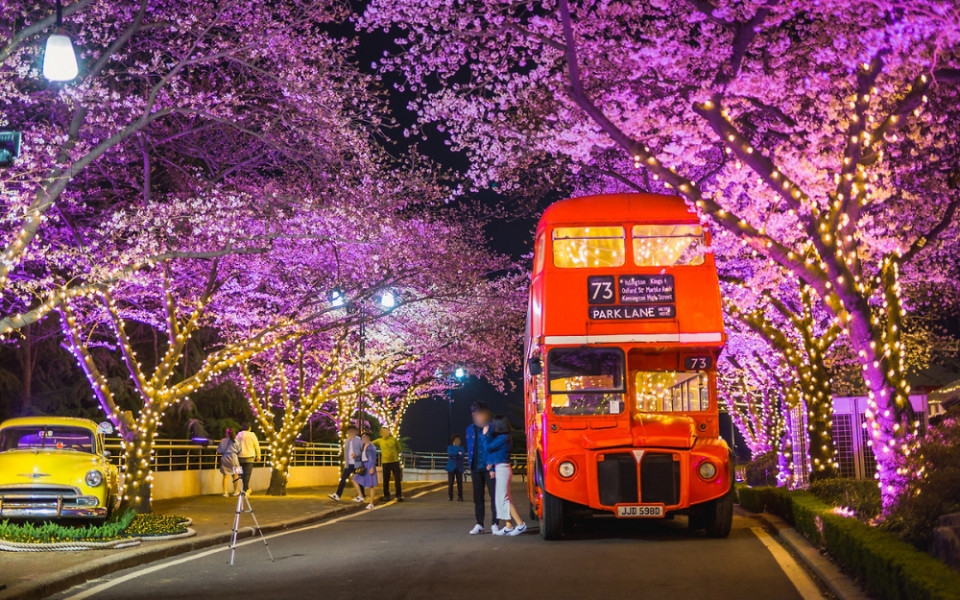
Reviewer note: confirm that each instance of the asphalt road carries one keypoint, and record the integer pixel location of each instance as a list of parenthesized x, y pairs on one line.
[(420, 549)]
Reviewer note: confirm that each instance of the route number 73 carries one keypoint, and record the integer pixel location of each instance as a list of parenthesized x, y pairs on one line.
[(600, 289), (697, 363)]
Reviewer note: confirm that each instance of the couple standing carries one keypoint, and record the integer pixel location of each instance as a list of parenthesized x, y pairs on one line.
[(488, 457), (360, 456)]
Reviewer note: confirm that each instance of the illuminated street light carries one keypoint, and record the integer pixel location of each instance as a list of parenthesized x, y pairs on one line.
[(59, 57), (460, 373), (388, 300)]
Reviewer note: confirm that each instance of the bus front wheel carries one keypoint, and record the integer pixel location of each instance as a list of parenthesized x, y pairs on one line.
[(551, 521), (718, 516)]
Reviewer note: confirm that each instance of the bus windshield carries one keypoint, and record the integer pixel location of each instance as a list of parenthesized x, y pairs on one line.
[(672, 391), (586, 381), (667, 245)]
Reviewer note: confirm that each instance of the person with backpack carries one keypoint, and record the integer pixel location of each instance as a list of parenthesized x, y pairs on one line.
[(227, 451)]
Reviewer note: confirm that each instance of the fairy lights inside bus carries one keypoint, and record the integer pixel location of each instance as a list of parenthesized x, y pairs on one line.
[(667, 245), (672, 391), (586, 381), (580, 247)]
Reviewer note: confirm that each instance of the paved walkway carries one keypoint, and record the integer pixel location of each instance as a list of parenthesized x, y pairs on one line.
[(211, 515)]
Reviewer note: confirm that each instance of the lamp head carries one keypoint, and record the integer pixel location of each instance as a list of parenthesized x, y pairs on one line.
[(59, 59)]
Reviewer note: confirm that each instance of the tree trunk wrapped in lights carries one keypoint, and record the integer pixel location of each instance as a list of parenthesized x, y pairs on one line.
[(803, 344), (156, 391), (754, 403), (282, 414)]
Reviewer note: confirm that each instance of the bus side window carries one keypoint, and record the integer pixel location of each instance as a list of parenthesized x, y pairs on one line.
[(539, 251), (540, 393)]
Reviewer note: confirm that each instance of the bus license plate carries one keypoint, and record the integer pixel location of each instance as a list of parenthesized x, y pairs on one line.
[(643, 511)]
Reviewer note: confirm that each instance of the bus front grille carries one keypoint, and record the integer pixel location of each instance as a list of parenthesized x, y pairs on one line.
[(617, 479), (659, 479)]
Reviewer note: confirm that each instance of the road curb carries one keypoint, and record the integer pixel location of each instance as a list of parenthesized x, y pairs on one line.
[(839, 583), (63, 580)]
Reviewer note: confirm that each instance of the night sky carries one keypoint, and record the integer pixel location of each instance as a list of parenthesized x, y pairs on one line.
[(426, 422)]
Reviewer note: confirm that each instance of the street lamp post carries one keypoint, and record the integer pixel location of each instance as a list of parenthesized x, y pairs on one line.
[(458, 375), (388, 301)]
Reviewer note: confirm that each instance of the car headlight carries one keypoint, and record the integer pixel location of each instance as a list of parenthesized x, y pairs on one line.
[(707, 470), (93, 478), (567, 469)]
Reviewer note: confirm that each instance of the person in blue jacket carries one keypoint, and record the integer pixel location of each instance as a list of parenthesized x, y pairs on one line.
[(477, 462), (498, 462), (455, 452)]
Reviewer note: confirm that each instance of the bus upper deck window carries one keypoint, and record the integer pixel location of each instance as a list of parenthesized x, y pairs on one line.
[(667, 245), (582, 247)]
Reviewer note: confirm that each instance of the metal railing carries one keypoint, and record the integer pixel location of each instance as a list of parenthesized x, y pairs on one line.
[(187, 455), (436, 461)]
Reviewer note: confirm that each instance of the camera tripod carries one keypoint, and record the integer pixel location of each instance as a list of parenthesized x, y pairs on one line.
[(243, 506)]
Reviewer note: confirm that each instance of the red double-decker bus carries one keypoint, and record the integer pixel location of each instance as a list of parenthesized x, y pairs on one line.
[(624, 329)]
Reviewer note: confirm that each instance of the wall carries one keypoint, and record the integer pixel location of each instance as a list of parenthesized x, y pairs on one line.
[(177, 484)]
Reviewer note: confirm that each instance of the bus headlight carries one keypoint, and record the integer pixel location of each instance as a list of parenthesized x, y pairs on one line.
[(707, 470), (567, 469), (93, 478)]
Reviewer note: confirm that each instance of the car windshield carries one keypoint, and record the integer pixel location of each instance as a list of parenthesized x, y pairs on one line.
[(76, 439), (586, 381)]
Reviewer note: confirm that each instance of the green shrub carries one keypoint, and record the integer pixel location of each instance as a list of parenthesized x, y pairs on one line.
[(762, 470), (889, 568), (751, 499), (933, 493), (861, 496)]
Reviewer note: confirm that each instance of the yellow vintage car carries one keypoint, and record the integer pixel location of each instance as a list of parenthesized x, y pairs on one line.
[(55, 468)]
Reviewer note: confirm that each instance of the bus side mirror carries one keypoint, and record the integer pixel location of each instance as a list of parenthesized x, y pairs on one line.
[(534, 366)]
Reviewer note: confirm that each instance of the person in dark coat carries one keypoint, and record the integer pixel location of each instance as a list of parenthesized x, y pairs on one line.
[(455, 452), (477, 461)]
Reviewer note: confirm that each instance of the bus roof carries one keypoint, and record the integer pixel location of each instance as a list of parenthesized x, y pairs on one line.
[(619, 208)]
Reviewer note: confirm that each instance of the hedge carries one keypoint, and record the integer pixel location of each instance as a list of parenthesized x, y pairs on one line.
[(889, 568)]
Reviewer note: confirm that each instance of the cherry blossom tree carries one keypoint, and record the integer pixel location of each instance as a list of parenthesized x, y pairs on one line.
[(173, 97), (810, 132)]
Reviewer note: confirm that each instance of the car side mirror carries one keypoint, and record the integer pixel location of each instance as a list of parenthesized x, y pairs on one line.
[(106, 454), (534, 366)]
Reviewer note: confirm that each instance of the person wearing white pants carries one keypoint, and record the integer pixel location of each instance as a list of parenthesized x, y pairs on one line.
[(498, 455)]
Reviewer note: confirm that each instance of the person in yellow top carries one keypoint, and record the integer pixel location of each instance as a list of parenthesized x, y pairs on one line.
[(249, 453), (390, 462)]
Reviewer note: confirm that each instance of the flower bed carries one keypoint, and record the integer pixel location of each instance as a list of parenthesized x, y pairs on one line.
[(889, 568), (125, 531)]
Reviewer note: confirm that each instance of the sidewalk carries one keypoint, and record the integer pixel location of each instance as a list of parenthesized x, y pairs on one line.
[(38, 574)]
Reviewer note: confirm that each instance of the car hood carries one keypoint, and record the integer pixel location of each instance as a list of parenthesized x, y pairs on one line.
[(46, 466)]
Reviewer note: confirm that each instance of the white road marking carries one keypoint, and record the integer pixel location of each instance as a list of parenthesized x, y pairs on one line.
[(794, 572), (146, 571)]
